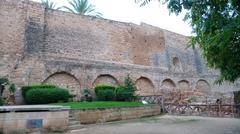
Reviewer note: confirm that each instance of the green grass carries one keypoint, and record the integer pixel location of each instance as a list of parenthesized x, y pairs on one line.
[(99, 104)]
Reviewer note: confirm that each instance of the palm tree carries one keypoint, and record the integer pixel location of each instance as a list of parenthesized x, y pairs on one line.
[(82, 7), (49, 4)]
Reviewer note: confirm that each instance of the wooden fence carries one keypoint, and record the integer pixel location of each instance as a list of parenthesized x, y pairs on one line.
[(213, 110)]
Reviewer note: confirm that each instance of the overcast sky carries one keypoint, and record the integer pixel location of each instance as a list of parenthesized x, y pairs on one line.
[(128, 11)]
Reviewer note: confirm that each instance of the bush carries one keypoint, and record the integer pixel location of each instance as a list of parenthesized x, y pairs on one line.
[(105, 92), (47, 95), (1, 102), (25, 89), (123, 94), (130, 88), (87, 95)]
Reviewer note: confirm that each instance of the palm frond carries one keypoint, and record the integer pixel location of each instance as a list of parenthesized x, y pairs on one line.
[(49, 4), (82, 7)]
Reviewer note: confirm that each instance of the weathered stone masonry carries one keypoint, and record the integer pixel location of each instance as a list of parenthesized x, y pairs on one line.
[(77, 52)]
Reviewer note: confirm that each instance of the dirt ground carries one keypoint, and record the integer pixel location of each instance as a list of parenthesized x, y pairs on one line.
[(166, 124)]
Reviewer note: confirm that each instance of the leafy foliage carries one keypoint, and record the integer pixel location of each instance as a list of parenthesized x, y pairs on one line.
[(82, 7), (25, 89), (87, 95), (1, 102), (105, 92), (122, 94), (47, 95), (12, 88), (128, 89), (216, 24), (130, 84), (49, 4), (5, 83)]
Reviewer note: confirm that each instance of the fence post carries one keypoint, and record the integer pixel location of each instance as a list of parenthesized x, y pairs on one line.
[(162, 105)]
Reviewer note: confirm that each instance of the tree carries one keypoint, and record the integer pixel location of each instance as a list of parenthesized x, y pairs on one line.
[(49, 5), (216, 24), (130, 85), (82, 7)]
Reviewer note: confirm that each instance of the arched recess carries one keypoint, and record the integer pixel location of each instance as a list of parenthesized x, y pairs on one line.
[(144, 86), (65, 80), (176, 64), (105, 79), (184, 85), (168, 84), (203, 86)]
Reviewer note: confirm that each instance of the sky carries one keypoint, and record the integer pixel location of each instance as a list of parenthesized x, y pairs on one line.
[(128, 11)]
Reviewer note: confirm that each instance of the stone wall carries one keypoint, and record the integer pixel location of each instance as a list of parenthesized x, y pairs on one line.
[(77, 52), (101, 115), (24, 119)]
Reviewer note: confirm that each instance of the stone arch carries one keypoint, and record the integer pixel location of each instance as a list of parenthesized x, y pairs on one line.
[(203, 86), (176, 64), (184, 85), (144, 86), (65, 80), (168, 84), (105, 79)]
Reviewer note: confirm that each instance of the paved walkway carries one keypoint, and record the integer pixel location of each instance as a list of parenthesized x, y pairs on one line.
[(167, 125)]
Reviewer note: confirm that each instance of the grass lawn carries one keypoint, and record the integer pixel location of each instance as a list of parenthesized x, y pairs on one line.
[(99, 104)]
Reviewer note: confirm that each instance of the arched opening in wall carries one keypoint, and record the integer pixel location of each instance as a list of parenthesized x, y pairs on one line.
[(203, 86), (105, 79), (184, 85), (144, 86), (168, 85), (176, 64), (65, 80)]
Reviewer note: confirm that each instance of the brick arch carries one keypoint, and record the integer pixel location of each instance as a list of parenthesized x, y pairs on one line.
[(168, 84), (105, 79), (65, 80), (144, 86), (203, 86), (184, 85)]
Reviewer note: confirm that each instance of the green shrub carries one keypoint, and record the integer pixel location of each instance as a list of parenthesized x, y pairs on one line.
[(1, 102), (47, 95), (123, 94), (25, 89), (105, 92), (130, 87), (87, 95)]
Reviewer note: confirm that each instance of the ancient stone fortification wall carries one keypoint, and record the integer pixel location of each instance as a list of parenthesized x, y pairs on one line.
[(77, 52)]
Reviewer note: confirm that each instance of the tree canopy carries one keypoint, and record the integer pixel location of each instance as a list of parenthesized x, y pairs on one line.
[(216, 26)]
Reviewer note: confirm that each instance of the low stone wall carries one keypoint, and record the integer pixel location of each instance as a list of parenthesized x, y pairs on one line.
[(22, 119), (89, 116)]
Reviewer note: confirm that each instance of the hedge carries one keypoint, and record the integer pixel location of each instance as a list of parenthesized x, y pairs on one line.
[(1, 102), (47, 95), (105, 92), (123, 94), (44, 94), (25, 89)]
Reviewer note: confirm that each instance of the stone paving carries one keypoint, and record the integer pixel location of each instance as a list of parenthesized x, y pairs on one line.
[(167, 125)]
